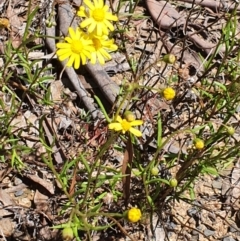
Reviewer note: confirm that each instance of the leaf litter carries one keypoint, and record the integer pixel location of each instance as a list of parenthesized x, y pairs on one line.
[(26, 127)]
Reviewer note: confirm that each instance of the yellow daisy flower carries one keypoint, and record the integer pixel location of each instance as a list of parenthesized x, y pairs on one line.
[(97, 17), (124, 126), (76, 48), (169, 93), (198, 143), (101, 45), (134, 215)]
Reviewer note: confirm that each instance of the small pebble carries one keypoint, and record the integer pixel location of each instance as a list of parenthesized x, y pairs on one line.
[(232, 229), (192, 212), (209, 232), (229, 239), (217, 184), (17, 181), (171, 226), (195, 233), (18, 193), (195, 237)]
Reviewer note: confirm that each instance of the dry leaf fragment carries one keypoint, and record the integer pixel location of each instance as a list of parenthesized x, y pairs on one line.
[(6, 227), (5, 198), (46, 184)]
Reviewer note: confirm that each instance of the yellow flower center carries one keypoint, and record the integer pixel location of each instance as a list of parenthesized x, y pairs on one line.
[(125, 125), (76, 46), (98, 14), (97, 43)]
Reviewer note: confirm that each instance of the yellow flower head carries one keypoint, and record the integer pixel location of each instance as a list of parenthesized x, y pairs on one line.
[(97, 17), (124, 126), (199, 143), (102, 45), (169, 93), (134, 215), (76, 48)]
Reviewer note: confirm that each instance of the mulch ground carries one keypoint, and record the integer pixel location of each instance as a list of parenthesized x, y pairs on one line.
[(32, 199)]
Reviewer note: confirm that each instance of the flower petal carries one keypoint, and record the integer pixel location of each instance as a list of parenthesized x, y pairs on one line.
[(63, 46), (72, 33), (104, 53), (70, 61), (69, 40), (86, 22), (101, 4), (111, 17), (89, 4), (64, 56), (115, 126), (83, 58), (93, 58), (81, 12), (108, 24), (92, 26), (119, 119), (104, 28), (135, 132), (77, 62), (105, 9), (136, 123), (100, 58)]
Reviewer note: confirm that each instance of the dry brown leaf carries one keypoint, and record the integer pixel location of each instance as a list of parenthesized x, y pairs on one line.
[(44, 183), (6, 227), (5, 198), (4, 173), (41, 201)]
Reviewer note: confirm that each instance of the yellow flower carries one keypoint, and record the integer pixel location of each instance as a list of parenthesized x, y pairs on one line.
[(169, 93), (124, 126), (101, 46), (134, 215), (199, 144), (97, 17), (76, 48)]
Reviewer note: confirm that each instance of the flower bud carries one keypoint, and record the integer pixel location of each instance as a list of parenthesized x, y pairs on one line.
[(169, 58), (230, 130), (67, 234), (154, 171), (173, 182), (168, 93), (128, 87), (199, 143), (134, 215), (129, 116)]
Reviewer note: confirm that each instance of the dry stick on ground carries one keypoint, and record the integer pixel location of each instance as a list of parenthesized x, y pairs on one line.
[(216, 6)]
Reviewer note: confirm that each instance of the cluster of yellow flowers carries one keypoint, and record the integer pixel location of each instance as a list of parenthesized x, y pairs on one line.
[(90, 40), (127, 123)]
